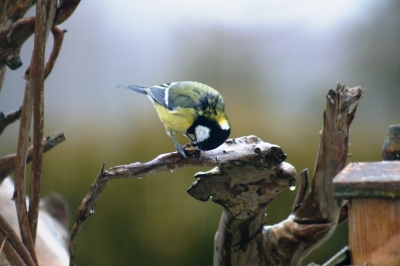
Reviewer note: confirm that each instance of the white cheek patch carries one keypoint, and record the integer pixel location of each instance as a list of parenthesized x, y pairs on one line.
[(202, 133)]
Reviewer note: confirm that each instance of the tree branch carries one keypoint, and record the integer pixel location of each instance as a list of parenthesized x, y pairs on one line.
[(234, 151), (9, 118), (312, 223), (19, 29), (10, 11), (20, 168), (58, 35), (86, 209), (7, 163), (234, 154), (45, 12), (14, 250)]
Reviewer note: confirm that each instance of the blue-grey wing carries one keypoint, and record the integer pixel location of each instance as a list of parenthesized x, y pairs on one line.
[(177, 94), (157, 93)]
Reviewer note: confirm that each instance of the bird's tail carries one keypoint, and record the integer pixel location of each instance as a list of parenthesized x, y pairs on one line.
[(136, 88)]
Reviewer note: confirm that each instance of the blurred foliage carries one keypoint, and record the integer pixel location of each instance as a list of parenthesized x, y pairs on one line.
[(273, 79)]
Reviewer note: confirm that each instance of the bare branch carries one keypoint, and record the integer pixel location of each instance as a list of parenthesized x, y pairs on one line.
[(20, 168), (45, 12), (7, 163), (234, 154), (12, 37), (14, 250), (58, 35), (10, 253), (233, 151), (9, 118), (10, 11), (86, 209)]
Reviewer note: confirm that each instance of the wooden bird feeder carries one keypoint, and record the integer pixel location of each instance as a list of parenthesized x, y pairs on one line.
[(373, 191)]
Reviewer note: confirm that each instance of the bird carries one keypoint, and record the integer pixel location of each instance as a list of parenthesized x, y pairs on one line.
[(189, 108)]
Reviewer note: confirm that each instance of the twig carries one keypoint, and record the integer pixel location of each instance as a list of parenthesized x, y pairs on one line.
[(45, 12), (86, 209), (10, 253), (7, 163), (20, 166), (32, 90), (58, 35), (9, 118), (11, 39), (17, 250)]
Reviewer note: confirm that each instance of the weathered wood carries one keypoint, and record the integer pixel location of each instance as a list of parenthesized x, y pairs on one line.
[(374, 231), (244, 196), (368, 180), (245, 193)]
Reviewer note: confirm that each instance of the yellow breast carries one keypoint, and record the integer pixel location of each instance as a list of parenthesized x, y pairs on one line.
[(177, 121)]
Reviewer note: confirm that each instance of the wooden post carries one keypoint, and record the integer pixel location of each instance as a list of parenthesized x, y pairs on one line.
[(373, 191)]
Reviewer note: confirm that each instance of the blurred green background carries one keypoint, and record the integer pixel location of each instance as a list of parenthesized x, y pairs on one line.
[(273, 61)]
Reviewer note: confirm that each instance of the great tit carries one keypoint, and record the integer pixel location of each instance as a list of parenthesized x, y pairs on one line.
[(189, 108)]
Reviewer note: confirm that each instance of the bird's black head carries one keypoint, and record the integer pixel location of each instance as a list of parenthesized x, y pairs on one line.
[(209, 134)]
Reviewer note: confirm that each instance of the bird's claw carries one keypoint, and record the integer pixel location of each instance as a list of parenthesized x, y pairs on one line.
[(181, 151)]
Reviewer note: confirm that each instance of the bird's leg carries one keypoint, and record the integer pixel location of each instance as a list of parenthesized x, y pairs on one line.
[(179, 148), (193, 141)]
